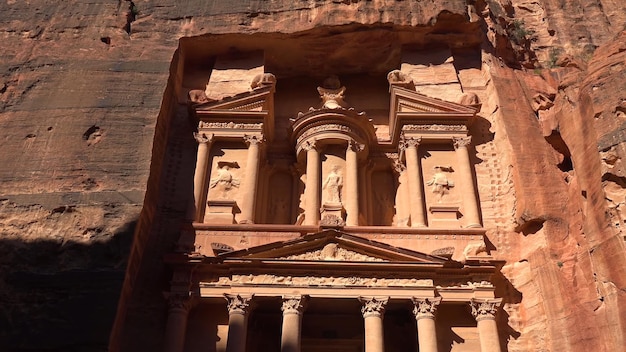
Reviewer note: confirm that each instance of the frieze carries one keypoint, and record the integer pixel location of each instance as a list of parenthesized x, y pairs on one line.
[(319, 281), (327, 127), (333, 252), (436, 127), (231, 125)]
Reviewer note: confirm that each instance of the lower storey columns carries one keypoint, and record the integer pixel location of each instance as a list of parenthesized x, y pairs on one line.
[(292, 308), (238, 307), (176, 325), (484, 311), (424, 311), (373, 310)]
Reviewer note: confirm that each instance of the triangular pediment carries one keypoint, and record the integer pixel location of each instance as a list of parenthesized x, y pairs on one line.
[(409, 101), (333, 246), (256, 100)]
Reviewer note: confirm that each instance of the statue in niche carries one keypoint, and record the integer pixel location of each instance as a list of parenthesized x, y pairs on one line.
[(384, 207), (333, 185), (279, 210), (332, 93), (440, 183), (224, 181)]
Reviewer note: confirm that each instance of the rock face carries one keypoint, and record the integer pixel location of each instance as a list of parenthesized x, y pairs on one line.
[(88, 91)]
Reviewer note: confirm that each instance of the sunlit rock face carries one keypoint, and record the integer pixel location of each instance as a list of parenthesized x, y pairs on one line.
[(94, 123)]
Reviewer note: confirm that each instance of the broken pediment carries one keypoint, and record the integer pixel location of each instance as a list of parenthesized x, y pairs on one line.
[(414, 111), (333, 245)]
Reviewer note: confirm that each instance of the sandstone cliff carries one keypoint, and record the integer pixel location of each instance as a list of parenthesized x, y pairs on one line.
[(85, 87)]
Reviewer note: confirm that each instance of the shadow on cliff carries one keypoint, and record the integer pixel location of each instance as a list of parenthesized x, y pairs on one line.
[(61, 296)]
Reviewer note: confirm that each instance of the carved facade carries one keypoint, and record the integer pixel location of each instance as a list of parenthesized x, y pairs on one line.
[(310, 224)]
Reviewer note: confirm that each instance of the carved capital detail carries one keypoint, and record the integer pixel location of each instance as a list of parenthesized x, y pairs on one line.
[(485, 309), (355, 146), (238, 304), (409, 142), (179, 301), (373, 306), (294, 304), (425, 307), (202, 137), (309, 145), (461, 142), (253, 139)]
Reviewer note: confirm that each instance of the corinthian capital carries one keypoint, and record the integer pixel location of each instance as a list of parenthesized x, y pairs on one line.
[(178, 301), (461, 142), (425, 307), (409, 142), (309, 145), (202, 137), (485, 309), (253, 139), (238, 304), (373, 306), (355, 146), (294, 304)]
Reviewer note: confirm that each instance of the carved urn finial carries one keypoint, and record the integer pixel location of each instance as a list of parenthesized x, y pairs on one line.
[(332, 93)]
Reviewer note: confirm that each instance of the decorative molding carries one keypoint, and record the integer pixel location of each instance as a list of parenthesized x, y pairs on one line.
[(435, 127), (316, 281), (327, 127), (330, 220), (293, 304), (373, 307), (485, 309), (231, 125), (425, 307), (335, 253), (238, 304), (461, 142)]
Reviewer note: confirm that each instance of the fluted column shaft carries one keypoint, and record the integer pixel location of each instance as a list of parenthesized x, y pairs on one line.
[(373, 310), (312, 188), (352, 186), (414, 173), (199, 178), (176, 325), (251, 181), (484, 311), (292, 308), (238, 307), (424, 311), (471, 212)]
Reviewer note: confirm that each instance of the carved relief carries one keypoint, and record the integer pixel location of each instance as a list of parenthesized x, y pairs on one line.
[(324, 281), (435, 127), (462, 142), (202, 137), (231, 125), (401, 79), (224, 181), (333, 185), (333, 252), (440, 183), (263, 80), (475, 249), (197, 96)]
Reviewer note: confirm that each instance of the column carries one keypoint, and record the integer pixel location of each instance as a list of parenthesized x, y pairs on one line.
[(199, 178), (424, 311), (484, 311), (249, 187), (416, 198), (373, 310), (293, 307), (352, 183), (176, 326), (471, 215), (238, 307), (312, 188)]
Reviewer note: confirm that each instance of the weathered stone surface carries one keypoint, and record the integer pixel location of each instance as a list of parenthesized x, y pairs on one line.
[(83, 91)]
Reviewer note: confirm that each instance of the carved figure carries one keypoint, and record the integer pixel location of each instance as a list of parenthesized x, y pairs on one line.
[(198, 96), (401, 79), (333, 185), (440, 183), (224, 180), (474, 249), (263, 80)]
